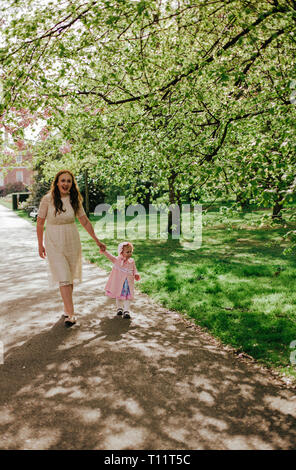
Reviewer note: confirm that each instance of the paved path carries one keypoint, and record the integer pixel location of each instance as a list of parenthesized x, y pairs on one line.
[(108, 383)]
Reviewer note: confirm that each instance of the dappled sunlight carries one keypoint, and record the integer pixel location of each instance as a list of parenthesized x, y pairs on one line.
[(88, 415), (243, 443), (122, 436), (277, 402), (27, 438), (270, 301), (120, 397), (152, 382), (247, 305)]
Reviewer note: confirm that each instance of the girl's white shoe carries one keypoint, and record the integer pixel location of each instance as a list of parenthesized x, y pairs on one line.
[(70, 321)]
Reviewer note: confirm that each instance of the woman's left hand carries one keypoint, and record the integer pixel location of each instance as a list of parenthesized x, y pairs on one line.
[(137, 277)]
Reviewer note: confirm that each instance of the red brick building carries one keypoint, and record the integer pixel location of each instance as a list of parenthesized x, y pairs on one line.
[(21, 172)]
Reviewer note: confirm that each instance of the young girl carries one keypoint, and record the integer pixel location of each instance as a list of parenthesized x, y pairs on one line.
[(120, 285)]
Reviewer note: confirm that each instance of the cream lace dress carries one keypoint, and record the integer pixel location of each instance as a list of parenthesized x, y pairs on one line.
[(62, 241)]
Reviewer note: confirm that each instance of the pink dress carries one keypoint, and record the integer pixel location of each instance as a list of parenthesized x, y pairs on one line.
[(121, 271)]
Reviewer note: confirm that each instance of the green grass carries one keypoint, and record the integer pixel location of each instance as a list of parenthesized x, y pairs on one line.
[(6, 201), (238, 285)]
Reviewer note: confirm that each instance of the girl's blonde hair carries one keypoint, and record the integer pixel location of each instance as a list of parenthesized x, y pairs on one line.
[(122, 245)]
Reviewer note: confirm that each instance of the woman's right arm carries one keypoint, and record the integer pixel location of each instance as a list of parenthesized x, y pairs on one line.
[(40, 231), (42, 213)]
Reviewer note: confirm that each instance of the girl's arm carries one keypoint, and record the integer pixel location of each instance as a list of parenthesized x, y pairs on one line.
[(109, 256), (136, 274), (89, 228)]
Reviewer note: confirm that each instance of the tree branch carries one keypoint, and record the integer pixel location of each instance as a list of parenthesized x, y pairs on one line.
[(255, 56), (53, 30)]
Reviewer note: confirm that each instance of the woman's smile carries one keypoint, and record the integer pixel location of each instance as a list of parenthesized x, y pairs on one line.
[(64, 184)]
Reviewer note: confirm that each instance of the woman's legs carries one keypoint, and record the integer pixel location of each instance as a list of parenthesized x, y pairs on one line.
[(66, 293)]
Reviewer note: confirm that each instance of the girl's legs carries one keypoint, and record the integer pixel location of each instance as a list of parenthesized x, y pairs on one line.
[(126, 305), (122, 306), (119, 305), (66, 293)]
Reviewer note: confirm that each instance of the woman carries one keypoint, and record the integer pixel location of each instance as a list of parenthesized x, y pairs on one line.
[(60, 206)]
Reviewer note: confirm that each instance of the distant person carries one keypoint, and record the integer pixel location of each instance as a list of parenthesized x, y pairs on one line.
[(62, 248), (120, 285)]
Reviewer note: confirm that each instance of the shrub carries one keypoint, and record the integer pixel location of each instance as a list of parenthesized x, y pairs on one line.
[(13, 188)]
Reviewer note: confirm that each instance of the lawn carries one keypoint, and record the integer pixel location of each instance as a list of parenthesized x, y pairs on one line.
[(238, 285), (6, 201)]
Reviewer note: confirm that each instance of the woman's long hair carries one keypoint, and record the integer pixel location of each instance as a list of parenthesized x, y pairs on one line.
[(75, 196)]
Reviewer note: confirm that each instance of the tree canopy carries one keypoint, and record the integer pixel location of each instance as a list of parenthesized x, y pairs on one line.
[(158, 97)]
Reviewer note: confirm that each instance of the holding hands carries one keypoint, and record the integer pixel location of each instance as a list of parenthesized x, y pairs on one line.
[(101, 245)]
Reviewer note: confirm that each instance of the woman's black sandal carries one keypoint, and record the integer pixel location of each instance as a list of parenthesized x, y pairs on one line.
[(119, 311), (126, 315)]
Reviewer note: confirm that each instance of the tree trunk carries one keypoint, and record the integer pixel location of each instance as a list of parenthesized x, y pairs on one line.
[(86, 192), (173, 199), (278, 205), (243, 202)]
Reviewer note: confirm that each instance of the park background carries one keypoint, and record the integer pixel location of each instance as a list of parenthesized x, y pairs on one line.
[(169, 102)]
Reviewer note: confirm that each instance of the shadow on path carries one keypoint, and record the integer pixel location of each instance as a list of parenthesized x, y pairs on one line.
[(113, 384)]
